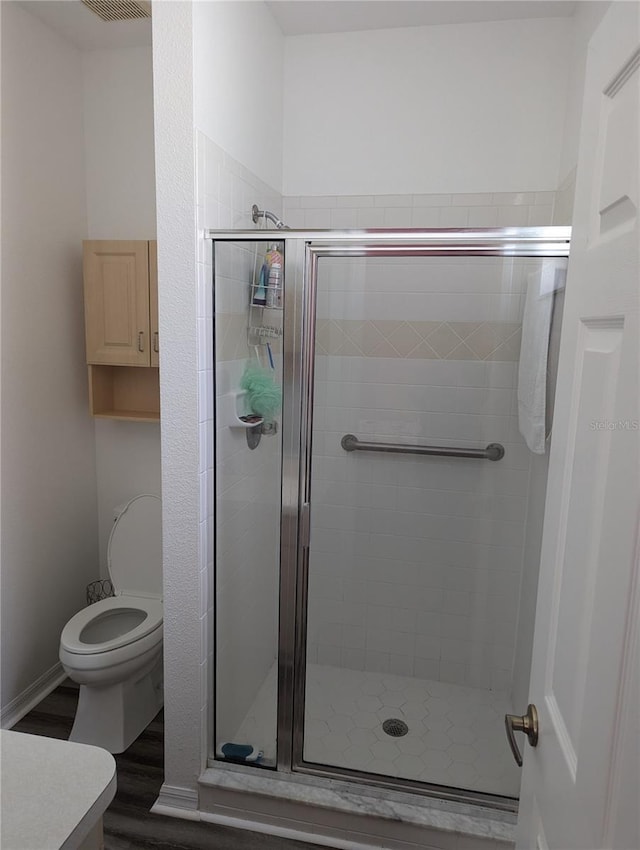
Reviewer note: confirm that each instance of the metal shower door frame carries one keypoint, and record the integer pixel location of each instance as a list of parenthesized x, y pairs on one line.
[(303, 250)]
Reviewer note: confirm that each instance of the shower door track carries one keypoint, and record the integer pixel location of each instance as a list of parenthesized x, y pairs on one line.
[(303, 248)]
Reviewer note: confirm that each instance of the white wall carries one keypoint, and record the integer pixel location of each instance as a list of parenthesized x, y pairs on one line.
[(127, 463), (586, 18), (183, 550), (49, 534), (121, 204), (119, 148), (461, 108), (238, 64), (237, 153)]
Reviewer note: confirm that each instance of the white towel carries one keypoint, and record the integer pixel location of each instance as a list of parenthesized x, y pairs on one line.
[(532, 372)]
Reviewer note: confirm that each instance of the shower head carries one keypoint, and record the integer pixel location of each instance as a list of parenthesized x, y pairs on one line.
[(257, 214)]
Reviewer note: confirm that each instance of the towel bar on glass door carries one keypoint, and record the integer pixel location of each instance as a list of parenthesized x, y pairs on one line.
[(494, 451)]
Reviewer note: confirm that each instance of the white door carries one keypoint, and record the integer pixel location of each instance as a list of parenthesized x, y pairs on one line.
[(580, 788)]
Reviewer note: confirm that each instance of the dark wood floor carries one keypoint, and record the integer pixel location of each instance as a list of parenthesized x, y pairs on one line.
[(128, 823)]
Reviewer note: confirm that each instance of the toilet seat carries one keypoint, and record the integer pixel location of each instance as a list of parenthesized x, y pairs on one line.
[(70, 639), (134, 558)]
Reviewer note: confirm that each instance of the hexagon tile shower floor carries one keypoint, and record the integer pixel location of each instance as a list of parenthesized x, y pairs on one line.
[(456, 733)]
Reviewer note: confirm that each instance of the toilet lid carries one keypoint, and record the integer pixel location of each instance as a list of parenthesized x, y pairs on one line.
[(134, 553)]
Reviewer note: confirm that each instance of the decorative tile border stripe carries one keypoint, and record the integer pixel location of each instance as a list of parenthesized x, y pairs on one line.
[(387, 338), (419, 340)]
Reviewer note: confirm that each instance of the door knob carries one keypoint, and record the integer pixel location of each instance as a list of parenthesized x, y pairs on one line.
[(528, 724)]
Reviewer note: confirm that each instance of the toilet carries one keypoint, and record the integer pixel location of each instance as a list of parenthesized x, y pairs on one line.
[(113, 648)]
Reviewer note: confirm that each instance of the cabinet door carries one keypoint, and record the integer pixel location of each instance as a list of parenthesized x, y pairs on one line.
[(116, 302), (153, 303)]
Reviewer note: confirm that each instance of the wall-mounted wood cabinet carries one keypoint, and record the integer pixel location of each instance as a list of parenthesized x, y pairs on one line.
[(121, 324)]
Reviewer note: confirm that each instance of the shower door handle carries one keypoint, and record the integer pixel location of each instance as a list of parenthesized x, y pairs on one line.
[(527, 723), (305, 525)]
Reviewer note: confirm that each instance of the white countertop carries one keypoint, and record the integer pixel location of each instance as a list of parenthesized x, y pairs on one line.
[(52, 792)]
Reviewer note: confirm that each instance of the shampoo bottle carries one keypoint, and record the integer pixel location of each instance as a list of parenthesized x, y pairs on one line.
[(274, 284)]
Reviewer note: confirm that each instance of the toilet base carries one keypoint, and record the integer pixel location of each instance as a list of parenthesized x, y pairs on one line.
[(113, 717)]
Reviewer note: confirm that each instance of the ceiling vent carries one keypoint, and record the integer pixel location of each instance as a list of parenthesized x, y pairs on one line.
[(119, 10)]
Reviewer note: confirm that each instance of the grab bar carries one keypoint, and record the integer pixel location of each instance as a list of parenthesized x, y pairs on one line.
[(350, 443)]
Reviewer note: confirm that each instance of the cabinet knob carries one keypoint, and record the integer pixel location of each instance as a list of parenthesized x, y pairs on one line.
[(140, 340)]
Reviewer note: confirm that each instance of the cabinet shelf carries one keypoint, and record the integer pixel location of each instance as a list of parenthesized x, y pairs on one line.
[(125, 392)]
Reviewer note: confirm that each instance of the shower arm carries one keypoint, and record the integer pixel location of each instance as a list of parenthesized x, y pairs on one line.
[(257, 214)]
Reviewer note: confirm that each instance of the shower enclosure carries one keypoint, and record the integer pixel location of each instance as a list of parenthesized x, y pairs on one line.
[(371, 537)]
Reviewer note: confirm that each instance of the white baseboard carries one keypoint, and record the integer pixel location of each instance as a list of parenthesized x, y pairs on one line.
[(31, 696), (177, 802), (309, 837), (172, 802)]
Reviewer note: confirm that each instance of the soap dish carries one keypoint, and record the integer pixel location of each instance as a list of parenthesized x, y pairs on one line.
[(249, 421), (240, 415)]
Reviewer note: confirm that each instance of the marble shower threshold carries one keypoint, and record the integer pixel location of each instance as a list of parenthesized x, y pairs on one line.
[(341, 814)]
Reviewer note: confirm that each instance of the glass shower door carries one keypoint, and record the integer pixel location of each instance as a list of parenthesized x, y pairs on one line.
[(415, 561)]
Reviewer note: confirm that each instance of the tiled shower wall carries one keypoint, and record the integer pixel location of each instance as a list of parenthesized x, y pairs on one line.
[(248, 495), (416, 563), (497, 209)]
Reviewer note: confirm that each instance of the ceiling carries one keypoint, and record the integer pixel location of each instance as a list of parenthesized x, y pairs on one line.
[(76, 23), (298, 17), (73, 21)]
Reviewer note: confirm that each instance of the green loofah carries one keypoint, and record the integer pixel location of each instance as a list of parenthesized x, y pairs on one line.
[(265, 396)]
